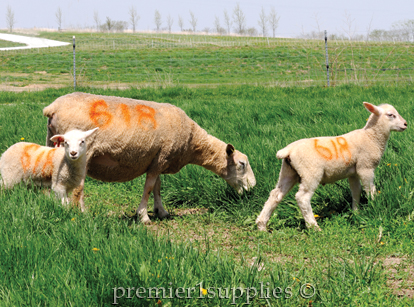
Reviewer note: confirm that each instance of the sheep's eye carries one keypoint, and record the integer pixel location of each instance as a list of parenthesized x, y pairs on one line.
[(242, 164), (66, 143), (82, 142), (391, 115)]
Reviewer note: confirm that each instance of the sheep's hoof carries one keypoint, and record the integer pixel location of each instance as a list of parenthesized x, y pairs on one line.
[(261, 225), (145, 220), (162, 215)]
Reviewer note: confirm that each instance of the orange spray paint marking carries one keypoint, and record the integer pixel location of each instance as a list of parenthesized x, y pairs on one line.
[(25, 159), (38, 159), (125, 113), (340, 147), (147, 114), (47, 168), (99, 115), (325, 152), (344, 149)]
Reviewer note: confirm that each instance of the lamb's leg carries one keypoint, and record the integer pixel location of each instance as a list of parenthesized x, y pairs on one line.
[(367, 179), (355, 186), (77, 195), (61, 194), (287, 179), (303, 197), (142, 209), (158, 207)]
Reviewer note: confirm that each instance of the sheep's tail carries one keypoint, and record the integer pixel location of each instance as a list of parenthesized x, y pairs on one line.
[(283, 153), (49, 110)]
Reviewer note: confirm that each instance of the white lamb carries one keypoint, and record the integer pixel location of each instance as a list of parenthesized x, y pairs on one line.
[(62, 168), (354, 155)]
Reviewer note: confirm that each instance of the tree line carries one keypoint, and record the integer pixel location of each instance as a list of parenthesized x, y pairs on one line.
[(235, 22)]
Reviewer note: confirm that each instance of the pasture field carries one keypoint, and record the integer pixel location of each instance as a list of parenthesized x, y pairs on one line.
[(56, 256), (6, 44), (122, 59)]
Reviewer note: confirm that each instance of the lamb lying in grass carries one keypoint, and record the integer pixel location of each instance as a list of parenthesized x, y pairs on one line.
[(354, 155), (138, 137), (62, 168)]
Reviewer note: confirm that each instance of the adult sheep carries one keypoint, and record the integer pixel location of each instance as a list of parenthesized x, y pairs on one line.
[(137, 137)]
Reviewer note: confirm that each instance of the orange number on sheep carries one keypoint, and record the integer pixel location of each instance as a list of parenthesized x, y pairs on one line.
[(344, 149), (99, 115), (125, 113), (340, 148), (147, 114), (325, 152)]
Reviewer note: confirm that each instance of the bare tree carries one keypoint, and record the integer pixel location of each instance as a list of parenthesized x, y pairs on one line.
[(10, 18), (217, 26), (349, 28), (239, 19), (263, 22), (157, 19), (193, 21), (96, 20), (133, 17), (273, 20), (170, 22), (180, 23), (58, 15), (227, 21), (109, 24)]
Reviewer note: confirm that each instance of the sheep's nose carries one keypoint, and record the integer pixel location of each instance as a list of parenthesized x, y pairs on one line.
[(405, 124), (73, 153)]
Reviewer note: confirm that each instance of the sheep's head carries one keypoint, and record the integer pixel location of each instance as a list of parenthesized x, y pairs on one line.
[(239, 172), (74, 142), (387, 115)]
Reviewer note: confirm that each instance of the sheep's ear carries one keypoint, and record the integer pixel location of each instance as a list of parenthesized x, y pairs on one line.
[(58, 138), (229, 149), (373, 109), (89, 132)]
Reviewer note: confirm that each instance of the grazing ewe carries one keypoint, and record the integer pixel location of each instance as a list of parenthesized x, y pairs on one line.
[(62, 168), (354, 155), (137, 137)]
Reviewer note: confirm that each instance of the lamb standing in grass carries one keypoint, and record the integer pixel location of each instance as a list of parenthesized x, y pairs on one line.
[(138, 137), (354, 155), (62, 168)]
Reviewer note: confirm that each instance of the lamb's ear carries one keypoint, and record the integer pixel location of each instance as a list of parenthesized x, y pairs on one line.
[(89, 132), (58, 138), (229, 149), (373, 109)]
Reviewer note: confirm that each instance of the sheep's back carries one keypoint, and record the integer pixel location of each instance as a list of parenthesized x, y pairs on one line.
[(135, 136)]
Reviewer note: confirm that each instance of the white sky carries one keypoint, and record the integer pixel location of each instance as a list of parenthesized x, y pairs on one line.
[(295, 15)]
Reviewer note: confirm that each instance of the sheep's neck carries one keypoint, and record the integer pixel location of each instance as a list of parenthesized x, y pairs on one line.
[(210, 153), (377, 133)]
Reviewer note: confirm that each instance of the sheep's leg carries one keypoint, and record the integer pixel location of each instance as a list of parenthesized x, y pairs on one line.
[(303, 197), (355, 186), (80, 200), (367, 179), (142, 210), (77, 195), (287, 179), (61, 194), (158, 207)]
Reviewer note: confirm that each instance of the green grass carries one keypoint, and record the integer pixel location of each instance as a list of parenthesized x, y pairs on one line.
[(122, 60), (360, 258), (6, 44)]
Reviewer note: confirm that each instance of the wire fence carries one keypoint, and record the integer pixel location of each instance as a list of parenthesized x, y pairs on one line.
[(125, 60)]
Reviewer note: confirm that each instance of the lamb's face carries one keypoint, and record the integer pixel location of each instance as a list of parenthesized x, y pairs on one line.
[(392, 118), (75, 145), (239, 172), (74, 142)]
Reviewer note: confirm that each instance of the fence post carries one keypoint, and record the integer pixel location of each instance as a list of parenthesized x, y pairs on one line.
[(74, 65), (326, 56)]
